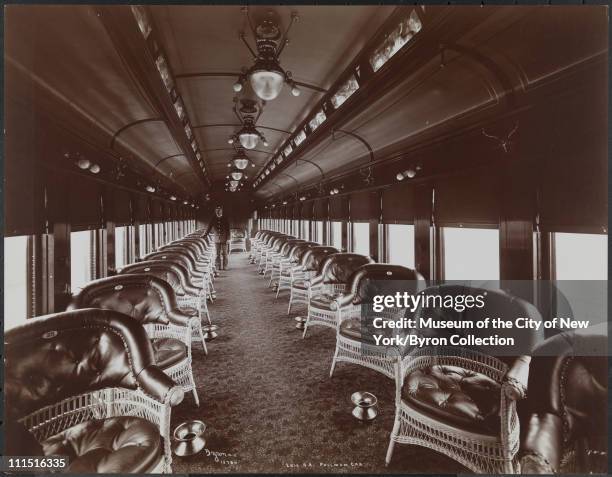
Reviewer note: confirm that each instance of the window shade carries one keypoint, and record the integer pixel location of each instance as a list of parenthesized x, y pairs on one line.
[(365, 206), (85, 204), (338, 208), (468, 198), (574, 190), (307, 210), (321, 209), (398, 204), (118, 206), (141, 208)]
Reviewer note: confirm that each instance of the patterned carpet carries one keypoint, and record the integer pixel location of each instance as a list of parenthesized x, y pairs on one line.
[(268, 401)]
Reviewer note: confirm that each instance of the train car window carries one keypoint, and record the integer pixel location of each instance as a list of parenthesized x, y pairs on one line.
[(394, 41), (581, 256), (143, 248), (336, 234), (471, 253), (400, 244), (82, 258), (295, 228), (361, 238), (16, 263), (305, 230), (319, 231), (121, 247)]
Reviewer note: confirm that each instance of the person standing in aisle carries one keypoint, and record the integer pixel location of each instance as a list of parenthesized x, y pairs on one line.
[(219, 227)]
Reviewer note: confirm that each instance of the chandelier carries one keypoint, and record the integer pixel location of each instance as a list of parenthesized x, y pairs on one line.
[(248, 136), (266, 76)]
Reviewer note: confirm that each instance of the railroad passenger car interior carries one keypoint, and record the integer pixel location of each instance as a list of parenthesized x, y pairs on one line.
[(200, 201)]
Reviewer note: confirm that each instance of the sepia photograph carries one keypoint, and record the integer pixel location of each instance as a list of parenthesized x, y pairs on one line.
[(305, 239)]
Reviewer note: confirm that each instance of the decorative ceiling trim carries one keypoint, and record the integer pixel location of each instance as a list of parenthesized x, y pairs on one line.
[(168, 157), (129, 125)]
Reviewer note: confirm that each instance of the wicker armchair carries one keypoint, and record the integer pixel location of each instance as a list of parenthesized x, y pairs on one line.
[(237, 240), (284, 261), (84, 384), (256, 243), (266, 248), (150, 301), (275, 254), (262, 241), (199, 278), (567, 406), (310, 266), (329, 284), (354, 341), (190, 299), (461, 401), (293, 269)]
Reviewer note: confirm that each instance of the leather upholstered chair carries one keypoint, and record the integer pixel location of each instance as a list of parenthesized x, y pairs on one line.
[(330, 283), (294, 270), (567, 416), (84, 384), (266, 248), (310, 266), (256, 244), (237, 240), (283, 260), (150, 301), (461, 400), (354, 342), (197, 277), (271, 253), (190, 299)]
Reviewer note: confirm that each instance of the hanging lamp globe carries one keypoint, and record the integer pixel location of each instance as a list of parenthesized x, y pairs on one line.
[(248, 135), (240, 160), (236, 175), (267, 78)]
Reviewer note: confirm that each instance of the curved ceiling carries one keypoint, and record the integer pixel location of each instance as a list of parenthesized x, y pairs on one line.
[(68, 61)]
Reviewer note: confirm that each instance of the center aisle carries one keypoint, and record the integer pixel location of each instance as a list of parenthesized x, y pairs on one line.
[(267, 399)]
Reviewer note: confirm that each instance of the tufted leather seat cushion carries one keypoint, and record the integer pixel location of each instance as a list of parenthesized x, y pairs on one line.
[(456, 396), (168, 352), (188, 310), (353, 329), (114, 445), (300, 284), (323, 301)]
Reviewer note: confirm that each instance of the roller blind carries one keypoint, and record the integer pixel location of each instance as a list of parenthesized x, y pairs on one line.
[(141, 208), (338, 208), (157, 213), (470, 197), (398, 204), (320, 209), (574, 190), (85, 204), (297, 207), (307, 210), (365, 206), (118, 207)]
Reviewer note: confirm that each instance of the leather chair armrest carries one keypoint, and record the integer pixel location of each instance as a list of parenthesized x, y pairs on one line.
[(154, 382), (177, 318), (314, 282), (342, 301), (542, 448), (515, 381)]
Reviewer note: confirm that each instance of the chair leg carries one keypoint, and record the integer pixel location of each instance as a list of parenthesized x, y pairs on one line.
[(306, 326), (290, 302), (396, 427), (333, 366), (194, 390)]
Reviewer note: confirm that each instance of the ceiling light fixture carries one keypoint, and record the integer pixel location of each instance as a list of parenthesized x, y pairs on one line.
[(236, 175), (409, 173), (240, 160), (249, 136), (150, 189), (266, 76)]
